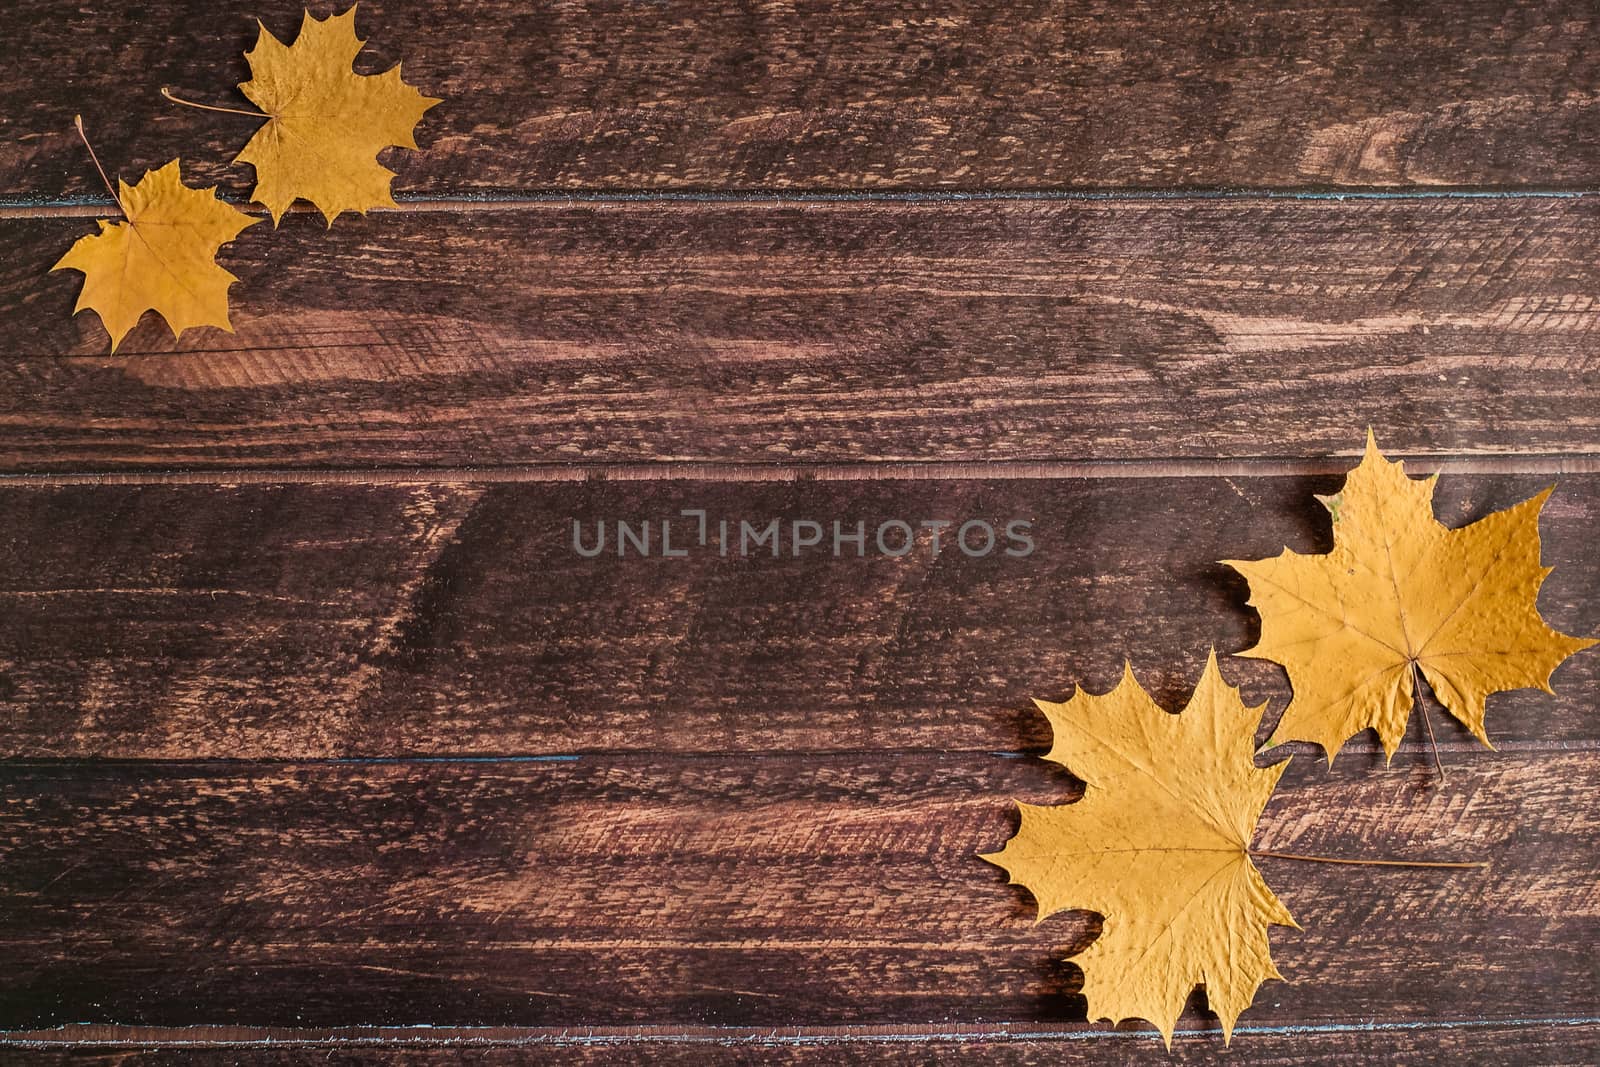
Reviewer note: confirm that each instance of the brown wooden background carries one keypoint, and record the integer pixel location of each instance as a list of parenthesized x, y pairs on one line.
[(318, 741)]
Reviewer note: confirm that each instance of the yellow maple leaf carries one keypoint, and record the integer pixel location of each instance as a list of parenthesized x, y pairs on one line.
[(161, 258), (326, 124), (1402, 593), (1160, 846)]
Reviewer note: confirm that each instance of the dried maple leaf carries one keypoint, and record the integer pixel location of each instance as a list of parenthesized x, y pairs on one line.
[(1160, 846), (1402, 593), (162, 258), (326, 124)]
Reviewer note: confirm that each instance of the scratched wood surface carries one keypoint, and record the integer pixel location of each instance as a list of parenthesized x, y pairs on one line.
[(1573, 1045), (863, 94), (833, 332), (314, 621), (319, 741), (738, 890)]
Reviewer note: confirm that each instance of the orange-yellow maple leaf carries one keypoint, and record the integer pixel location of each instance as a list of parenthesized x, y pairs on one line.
[(161, 258), (1402, 593), (326, 124), (1160, 846)]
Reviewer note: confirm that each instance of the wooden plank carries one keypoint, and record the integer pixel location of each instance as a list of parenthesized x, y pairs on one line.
[(860, 94), (169, 621), (833, 333), (1551, 1044), (737, 890)]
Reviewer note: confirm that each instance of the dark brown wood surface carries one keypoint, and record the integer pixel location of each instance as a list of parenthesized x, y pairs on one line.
[(833, 332), (859, 95), (291, 621), (737, 890), (1574, 1044), (318, 741)]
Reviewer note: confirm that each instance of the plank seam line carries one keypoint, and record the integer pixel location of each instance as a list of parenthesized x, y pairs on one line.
[(25, 763), (22, 207), (425, 1035), (886, 470)]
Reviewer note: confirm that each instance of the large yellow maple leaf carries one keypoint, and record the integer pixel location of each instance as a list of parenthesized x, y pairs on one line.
[(1160, 846), (1402, 593), (161, 258), (326, 124)]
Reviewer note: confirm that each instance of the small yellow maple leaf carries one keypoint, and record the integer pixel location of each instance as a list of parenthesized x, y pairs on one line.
[(1160, 846), (1402, 593), (162, 258), (326, 124)]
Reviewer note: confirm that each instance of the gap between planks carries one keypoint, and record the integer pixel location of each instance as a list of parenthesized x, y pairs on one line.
[(1557, 464), (91, 1035), (92, 207), (656, 755)]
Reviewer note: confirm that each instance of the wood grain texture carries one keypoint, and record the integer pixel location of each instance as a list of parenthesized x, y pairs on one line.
[(301, 621), (735, 890), (861, 94), (287, 763), (832, 332), (1555, 1044)]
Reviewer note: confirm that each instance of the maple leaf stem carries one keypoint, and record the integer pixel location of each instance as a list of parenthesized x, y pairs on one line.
[(1479, 865), (77, 120), (168, 93), (1433, 744), (1422, 708)]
